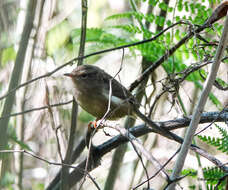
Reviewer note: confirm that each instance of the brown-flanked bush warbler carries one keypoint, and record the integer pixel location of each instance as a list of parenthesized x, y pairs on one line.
[(94, 89)]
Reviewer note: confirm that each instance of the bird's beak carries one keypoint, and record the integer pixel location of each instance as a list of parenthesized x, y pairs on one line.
[(69, 75)]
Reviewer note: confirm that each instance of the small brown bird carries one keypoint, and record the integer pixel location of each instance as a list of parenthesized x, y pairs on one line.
[(92, 92), (92, 89)]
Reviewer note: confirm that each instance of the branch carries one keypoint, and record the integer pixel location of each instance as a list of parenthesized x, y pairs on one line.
[(200, 106), (84, 9), (16, 75), (51, 163), (118, 140), (169, 52), (141, 130), (35, 109), (69, 153)]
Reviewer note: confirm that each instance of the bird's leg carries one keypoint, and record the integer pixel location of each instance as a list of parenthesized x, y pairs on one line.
[(95, 124), (92, 126), (92, 129)]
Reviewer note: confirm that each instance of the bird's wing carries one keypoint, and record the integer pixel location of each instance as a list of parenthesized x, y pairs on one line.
[(118, 90)]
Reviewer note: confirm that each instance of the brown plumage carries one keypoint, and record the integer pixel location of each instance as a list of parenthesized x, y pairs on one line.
[(92, 89)]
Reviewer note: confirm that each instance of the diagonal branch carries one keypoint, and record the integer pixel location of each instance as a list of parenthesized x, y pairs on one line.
[(141, 130), (200, 106)]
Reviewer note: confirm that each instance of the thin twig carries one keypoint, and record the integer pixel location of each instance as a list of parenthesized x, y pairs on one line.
[(89, 55), (136, 144), (157, 172), (141, 130), (80, 62), (52, 163), (168, 53), (53, 125), (36, 109)]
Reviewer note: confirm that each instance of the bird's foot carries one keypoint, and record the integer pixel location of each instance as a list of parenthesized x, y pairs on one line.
[(93, 124), (97, 124)]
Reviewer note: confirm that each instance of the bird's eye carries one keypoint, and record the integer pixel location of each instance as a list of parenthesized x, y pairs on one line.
[(84, 76)]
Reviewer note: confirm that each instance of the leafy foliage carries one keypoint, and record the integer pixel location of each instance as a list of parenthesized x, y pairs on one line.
[(97, 35), (220, 143), (189, 172), (129, 15), (126, 32), (57, 37), (212, 175)]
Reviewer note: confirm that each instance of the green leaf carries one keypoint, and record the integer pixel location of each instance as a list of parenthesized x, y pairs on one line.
[(170, 9), (153, 2), (220, 143), (189, 172), (168, 38), (222, 82), (177, 18), (20, 143), (129, 28), (186, 6), (212, 175), (120, 16), (177, 34), (180, 5), (8, 54), (168, 22), (160, 20), (163, 6), (97, 35), (150, 18), (185, 51), (192, 7), (130, 14), (151, 50)]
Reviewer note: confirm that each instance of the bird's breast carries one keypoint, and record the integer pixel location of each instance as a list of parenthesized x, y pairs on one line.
[(96, 103)]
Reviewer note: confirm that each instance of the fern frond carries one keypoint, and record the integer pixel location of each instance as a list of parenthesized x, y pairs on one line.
[(128, 15), (220, 143), (150, 18), (223, 132), (152, 51), (212, 175), (97, 35), (128, 28), (224, 139), (210, 140)]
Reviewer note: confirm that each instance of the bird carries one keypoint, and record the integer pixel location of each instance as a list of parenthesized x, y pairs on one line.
[(92, 87), (100, 94)]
